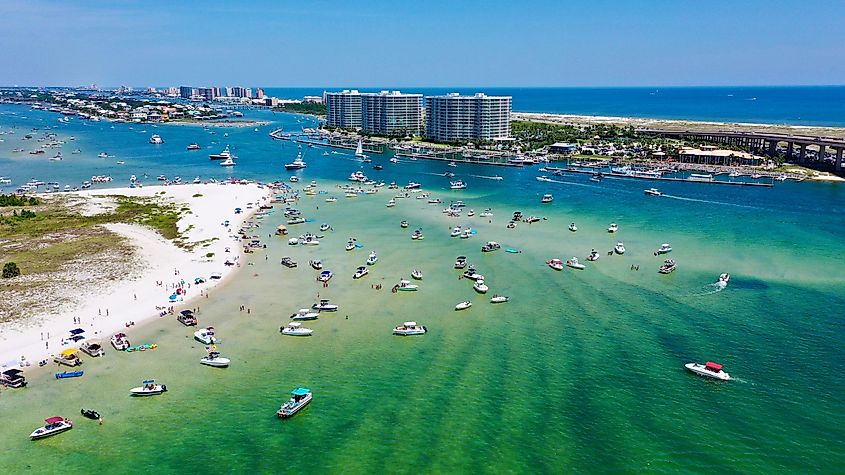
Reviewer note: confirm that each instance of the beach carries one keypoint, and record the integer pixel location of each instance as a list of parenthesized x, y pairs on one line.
[(102, 308)]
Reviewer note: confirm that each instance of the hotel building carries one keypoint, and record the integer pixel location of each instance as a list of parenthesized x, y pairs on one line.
[(457, 118)]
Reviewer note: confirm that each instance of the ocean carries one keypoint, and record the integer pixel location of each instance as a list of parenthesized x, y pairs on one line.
[(581, 371)]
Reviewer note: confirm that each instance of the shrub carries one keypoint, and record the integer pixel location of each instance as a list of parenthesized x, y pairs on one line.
[(11, 270), (209, 255)]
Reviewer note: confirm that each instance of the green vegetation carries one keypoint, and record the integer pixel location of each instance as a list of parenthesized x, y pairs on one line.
[(14, 200), (198, 195), (312, 108), (17, 217), (162, 218), (11, 270), (209, 255)]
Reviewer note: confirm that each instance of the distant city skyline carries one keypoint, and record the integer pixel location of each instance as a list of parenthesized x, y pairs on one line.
[(334, 45)]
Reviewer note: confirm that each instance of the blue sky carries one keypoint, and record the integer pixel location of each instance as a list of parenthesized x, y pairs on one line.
[(422, 43)]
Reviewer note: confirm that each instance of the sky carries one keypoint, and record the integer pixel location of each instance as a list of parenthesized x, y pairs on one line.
[(428, 43)]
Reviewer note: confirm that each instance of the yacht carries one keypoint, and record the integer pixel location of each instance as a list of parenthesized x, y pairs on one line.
[(573, 263), (225, 154), (324, 306), (227, 162), (547, 198), (708, 370), (572, 227), (410, 328), (297, 164), (205, 336), (325, 276), (472, 274), (457, 185), (490, 246), (619, 248), (361, 271), (148, 388), (555, 264), (295, 329), (664, 248), (372, 258), (667, 267), (456, 231), (156, 140), (406, 286), (214, 359), (480, 287), (300, 397), (613, 228), (653, 192), (120, 342), (594, 255), (304, 314), (499, 299), (55, 425), (412, 186), (463, 305), (460, 262), (193, 146), (416, 274)]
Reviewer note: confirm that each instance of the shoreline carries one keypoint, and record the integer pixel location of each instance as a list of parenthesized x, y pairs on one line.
[(137, 297)]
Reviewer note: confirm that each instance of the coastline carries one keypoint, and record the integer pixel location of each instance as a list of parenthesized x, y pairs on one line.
[(137, 297)]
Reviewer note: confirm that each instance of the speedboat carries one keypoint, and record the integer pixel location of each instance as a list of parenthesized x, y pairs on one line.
[(148, 388), (708, 370), (466, 234), (102, 155), (403, 224), (573, 263), (305, 314), (294, 179), (297, 164), (480, 286), (417, 274), (92, 348), (90, 414), (205, 336), (391, 203), (471, 274), (667, 267), (227, 163), (193, 146), (594, 255), (325, 227), (406, 286), (499, 299), (555, 264), (120, 342), (288, 262), (653, 192), (417, 235), (665, 248), (372, 258), (490, 246), (350, 245), (547, 198), (460, 262), (315, 264), (300, 397), (295, 329), (55, 425), (214, 359), (463, 305), (324, 306), (325, 276), (572, 227), (457, 185), (410, 328), (619, 248), (613, 228), (412, 186), (331, 200), (156, 140), (360, 272), (456, 231), (723, 280)]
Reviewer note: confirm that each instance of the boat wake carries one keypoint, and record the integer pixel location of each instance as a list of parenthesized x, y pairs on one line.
[(487, 177), (552, 180), (682, 198)]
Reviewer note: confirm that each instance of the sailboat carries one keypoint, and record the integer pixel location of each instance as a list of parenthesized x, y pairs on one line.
[(359, 150)]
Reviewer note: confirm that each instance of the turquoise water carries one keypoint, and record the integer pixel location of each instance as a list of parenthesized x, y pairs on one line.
[(579, 372)]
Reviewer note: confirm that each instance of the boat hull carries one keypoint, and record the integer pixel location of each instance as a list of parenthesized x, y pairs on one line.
[(215, 362)]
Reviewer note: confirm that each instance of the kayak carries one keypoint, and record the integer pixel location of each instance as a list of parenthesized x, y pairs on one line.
[(359, 245), (513, 251)]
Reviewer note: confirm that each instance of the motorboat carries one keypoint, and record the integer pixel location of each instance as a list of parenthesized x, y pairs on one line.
[(391, 203), (470, 213), (205, 336), (305, 314), (324, 306), (667, 267), (412, 186), (102, 155), (148, 388), (555, 264), (90, 414), (410, 328), (613, 228), (120, 342), (227, 163), (294, 179), (225, 154), (723, 280), (331, 200), (472, 274), (664, 248), (13, 378), (295, 329), (709, 370), (92, 348), (572, 227), (619, 248), (156, 140), (547, 198), (457, 185), (214, 359), (300, 397), (456, 231), (573, 263), (187, 318), (490, 246), (325, 227), (360, 272), (596, 178), (69, 374), (653, 192), (417, 235), (325, 276), (193, 146), (372, 258), (297, 164), (463, 305), (417, 274), (350, 245), (296, 220), (594, 255), (288, 262), (452, 164), (466, 233), (55, 425), (315, 264), (69, 357), (406, 286), (460, 262), (480, 287), (403, 224), (499, 299)]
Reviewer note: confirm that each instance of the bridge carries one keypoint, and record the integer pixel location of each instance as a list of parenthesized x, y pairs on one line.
[(762, 142)]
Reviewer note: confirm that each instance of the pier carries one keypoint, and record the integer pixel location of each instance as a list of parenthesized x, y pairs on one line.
[(635, 177)]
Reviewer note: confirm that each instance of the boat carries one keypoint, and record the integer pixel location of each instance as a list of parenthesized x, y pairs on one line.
[(69, 357), (214, 359), (224, 155), (296, 220), (102, 155), (653, 192), (613, 228), (227, 163), (490, 246), (297, 164), (187, 318), (350, 245), (709, 370), (13, 378), (90, 414), (452, 164), (92, 348), (391, 203), (325, 276), (619, 248), (460, 262), (324, 306), (594, 255), (667, 267), (409, 328), (596, 178), (573, 263), (456, 231), (69, 374), (403, 224), (55, 425), (547, 198), (288, 262), (325, 227), (360, 272), (406, 286), (463, 305), (295, 329), (466, 233), (300, 397), (156, 140), (205, 336), (193, 146), (664, 248), (499, 299), (457, 185), (572, 227), (120, 342), (148, 388), (294, 179), (417, 274), (359, 149), (701, 177), (471, 274), (305, 314), (412, 186), (555, 264), (723, 280), (372, 259), (417, 235), (480, 287), (315, 264)]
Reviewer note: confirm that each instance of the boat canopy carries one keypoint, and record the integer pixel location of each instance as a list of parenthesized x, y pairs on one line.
[(12, 372), (54, 419), (187, 313), (300, 391), (69, 352), (77, 331), (149, 381), (713, 366), (294, 324), (410, 324)]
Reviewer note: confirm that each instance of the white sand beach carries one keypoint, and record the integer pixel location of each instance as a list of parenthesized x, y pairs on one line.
[(104, 308)]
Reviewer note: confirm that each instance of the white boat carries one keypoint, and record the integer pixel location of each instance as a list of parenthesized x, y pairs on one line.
[(315, 264), (594, 255), (297, 164), (350, 245), (410, 328), (227, 163), (149, 388), (372, 259), (723, 280), (613, 228), (156, 140), (547, 198), (225, 154), (668, 266), (480, 287), (331, 200), (708, 370), (55, 425), (214, 359), (205, 336), (555, 264), (360, 272), (417, 235), (359, 149), (391, 203), (573, 263), (406, 286), (463, 305), (456, 231), (102, 155), (664, 248), (460, 262), (120, 342), (466, 234), (499, 299), (572, 227), (324, 306), (653, 192), (300, 397), (325, 276), (417, 274), (305, 314), (619, 248), (294, 179), (296, 329), (193, 146), (457, 185)]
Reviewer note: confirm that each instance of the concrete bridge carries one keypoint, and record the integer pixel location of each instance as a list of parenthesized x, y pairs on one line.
[(762, 142)]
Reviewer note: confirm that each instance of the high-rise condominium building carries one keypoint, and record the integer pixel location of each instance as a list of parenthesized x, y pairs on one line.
[(343, 109), (391, 113), (456, 118)]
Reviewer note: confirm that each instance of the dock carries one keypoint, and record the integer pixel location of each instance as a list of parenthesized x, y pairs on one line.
[(685, 180)]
